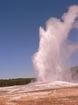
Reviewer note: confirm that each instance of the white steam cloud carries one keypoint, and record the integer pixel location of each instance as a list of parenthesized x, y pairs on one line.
[(54, 51)]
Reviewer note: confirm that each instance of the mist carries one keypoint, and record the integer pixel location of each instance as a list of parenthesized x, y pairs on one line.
[(50, 60)]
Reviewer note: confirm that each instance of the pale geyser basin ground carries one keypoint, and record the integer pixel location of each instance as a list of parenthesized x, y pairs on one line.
[(47, 93)]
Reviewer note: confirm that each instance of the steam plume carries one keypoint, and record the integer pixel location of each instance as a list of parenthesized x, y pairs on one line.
[(53, 52)]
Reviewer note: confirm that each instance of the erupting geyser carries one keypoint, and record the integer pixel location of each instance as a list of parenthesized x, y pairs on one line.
[(54, 50)]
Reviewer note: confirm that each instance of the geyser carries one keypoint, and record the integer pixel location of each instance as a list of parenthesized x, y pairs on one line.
[(50, 61)]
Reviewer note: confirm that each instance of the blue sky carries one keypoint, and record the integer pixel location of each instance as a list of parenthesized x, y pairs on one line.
[(19, 24)]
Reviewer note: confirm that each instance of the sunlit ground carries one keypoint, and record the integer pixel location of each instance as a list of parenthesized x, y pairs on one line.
[(19, 95)]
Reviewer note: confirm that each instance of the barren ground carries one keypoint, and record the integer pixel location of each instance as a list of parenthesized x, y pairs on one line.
[(62, 96)]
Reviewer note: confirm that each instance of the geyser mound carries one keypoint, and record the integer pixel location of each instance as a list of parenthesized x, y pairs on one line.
[(50, 61)]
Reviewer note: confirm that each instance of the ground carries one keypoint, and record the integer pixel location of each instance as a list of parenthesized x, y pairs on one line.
[(60, 96)]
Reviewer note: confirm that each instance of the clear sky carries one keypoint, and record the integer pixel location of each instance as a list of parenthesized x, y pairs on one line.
[(19, 24)]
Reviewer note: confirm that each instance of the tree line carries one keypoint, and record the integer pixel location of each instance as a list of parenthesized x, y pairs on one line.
[(12, 82)]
